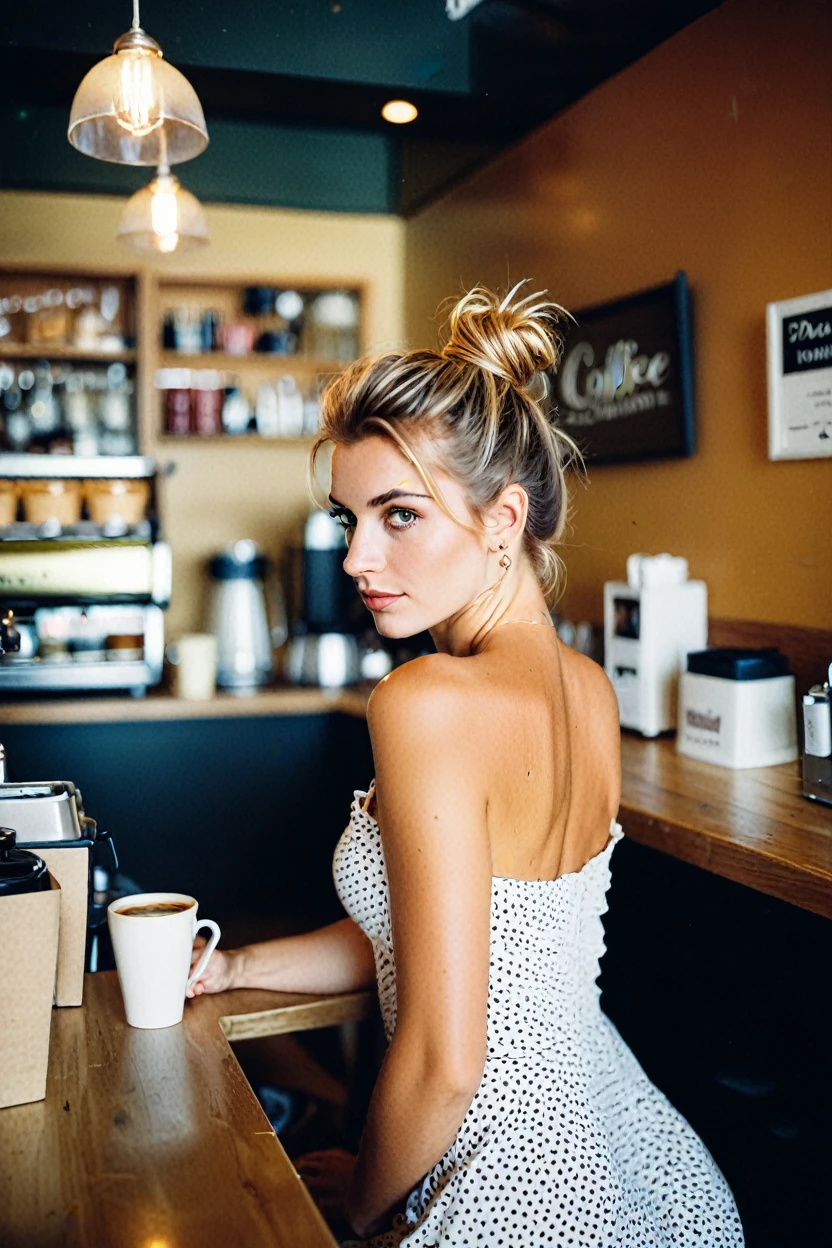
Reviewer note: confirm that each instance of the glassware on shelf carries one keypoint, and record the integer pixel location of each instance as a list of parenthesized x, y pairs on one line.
[(236, 410), (187, 324), (334, 317), (55, 408), (267, 411), (289, 407)]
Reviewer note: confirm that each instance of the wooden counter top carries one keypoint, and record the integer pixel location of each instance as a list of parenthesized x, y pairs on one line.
[(160, 704), (752, 825), (154, 1139)]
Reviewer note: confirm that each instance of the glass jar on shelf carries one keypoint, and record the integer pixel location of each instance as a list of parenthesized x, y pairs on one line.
[(333, 320)]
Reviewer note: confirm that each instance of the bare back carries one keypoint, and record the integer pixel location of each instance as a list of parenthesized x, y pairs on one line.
[(545, 732), (551, 747)]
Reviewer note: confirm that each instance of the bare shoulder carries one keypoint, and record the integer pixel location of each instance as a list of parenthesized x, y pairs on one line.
[(428, 689), (603, 693), (422, 732)]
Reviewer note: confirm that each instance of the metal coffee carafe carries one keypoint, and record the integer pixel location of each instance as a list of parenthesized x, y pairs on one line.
[(239, 616), (324, 649)]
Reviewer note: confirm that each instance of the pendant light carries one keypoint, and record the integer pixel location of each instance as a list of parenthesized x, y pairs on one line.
[(127, 101), (163, 217)]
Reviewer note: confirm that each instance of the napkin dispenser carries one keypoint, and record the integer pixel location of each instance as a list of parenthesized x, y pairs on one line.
[(651, 621), (737, 708)]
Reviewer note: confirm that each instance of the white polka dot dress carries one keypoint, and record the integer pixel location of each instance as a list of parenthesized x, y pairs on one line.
[(566, 1142)]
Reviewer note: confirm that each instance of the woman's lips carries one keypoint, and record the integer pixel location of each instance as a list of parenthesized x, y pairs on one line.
[(379, 602)]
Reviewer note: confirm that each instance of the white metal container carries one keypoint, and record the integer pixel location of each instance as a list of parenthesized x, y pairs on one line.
[(651, 621)]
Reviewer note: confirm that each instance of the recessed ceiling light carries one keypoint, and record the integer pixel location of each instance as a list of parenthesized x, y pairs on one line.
[(399, 111)]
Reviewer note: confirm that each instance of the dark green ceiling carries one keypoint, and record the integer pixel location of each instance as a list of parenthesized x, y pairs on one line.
[(292, 93)]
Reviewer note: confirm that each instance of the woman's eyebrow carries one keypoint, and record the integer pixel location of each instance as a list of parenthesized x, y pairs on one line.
[(383, 498)]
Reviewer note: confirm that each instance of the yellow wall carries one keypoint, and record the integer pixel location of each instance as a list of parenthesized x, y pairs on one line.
[(224, 491), (712, 154)]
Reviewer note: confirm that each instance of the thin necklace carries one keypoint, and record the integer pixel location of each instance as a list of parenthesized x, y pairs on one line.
[(543, 622)]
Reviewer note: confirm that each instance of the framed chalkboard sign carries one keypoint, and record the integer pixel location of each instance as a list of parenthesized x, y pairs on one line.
[(624, 389), (799, 341)]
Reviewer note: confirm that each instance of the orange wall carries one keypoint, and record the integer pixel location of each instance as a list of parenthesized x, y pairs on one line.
[(712, 154)]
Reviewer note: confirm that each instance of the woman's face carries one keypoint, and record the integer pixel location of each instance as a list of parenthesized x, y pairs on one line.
[(400, 541)]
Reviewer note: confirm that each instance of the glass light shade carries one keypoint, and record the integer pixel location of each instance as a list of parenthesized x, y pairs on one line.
[(134, 108), (163, 217)]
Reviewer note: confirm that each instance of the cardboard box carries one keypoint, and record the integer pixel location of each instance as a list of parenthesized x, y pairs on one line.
[(70, 865), (29, 926)]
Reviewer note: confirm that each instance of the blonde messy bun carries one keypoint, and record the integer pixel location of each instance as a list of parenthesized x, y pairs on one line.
[(479, 400), (514, 338)]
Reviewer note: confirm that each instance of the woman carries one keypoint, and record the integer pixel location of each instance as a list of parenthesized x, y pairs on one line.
[(507, 1110)]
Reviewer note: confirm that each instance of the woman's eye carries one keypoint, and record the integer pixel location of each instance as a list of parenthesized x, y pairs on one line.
[(403, 511), (341, 516)]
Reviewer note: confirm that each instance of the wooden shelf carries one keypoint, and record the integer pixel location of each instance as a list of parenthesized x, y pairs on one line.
[(46, 351), (257, 359), (247, 439)]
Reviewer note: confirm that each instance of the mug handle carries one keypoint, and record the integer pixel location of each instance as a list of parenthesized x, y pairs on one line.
[(207, 951)]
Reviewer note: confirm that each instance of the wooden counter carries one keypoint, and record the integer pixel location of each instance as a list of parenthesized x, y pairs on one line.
[(752, 825), (154, 1139), (161, 705)]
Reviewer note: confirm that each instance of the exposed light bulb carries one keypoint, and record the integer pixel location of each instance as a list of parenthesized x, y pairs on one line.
[(163, 217), (164, 211), (137, 99), (135, 108)]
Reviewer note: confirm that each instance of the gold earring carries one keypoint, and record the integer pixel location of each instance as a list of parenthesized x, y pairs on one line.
[(505, 562)]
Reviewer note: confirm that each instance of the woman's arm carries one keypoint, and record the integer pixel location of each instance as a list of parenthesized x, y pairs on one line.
[(437, 850), (335, 958)]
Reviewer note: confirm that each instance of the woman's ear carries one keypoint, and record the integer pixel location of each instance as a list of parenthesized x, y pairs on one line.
[(506, 517)]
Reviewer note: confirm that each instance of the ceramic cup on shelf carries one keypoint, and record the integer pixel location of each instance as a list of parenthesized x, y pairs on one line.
[(117, 499), (153, 939), (9, 494), (193, 662), (45, 500)]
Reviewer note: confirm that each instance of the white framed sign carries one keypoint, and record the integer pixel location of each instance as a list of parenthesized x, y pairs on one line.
[(799, 346)]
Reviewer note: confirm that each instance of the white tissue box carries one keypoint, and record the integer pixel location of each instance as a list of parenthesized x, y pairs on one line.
[(737, 723)]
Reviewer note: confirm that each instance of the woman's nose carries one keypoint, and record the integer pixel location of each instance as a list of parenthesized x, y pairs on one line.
[(362, 556)]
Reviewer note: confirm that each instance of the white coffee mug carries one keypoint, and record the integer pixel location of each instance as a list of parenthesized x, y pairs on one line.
[(193, 659), (153, 954)]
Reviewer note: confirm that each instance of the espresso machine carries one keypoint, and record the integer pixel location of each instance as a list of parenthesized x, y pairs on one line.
[(82, 602)]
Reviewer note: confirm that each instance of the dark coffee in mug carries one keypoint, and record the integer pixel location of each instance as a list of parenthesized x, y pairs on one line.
[(155, 909)]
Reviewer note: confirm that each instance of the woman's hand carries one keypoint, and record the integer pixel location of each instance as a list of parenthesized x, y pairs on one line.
[(219, 973), (327, 1174)]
